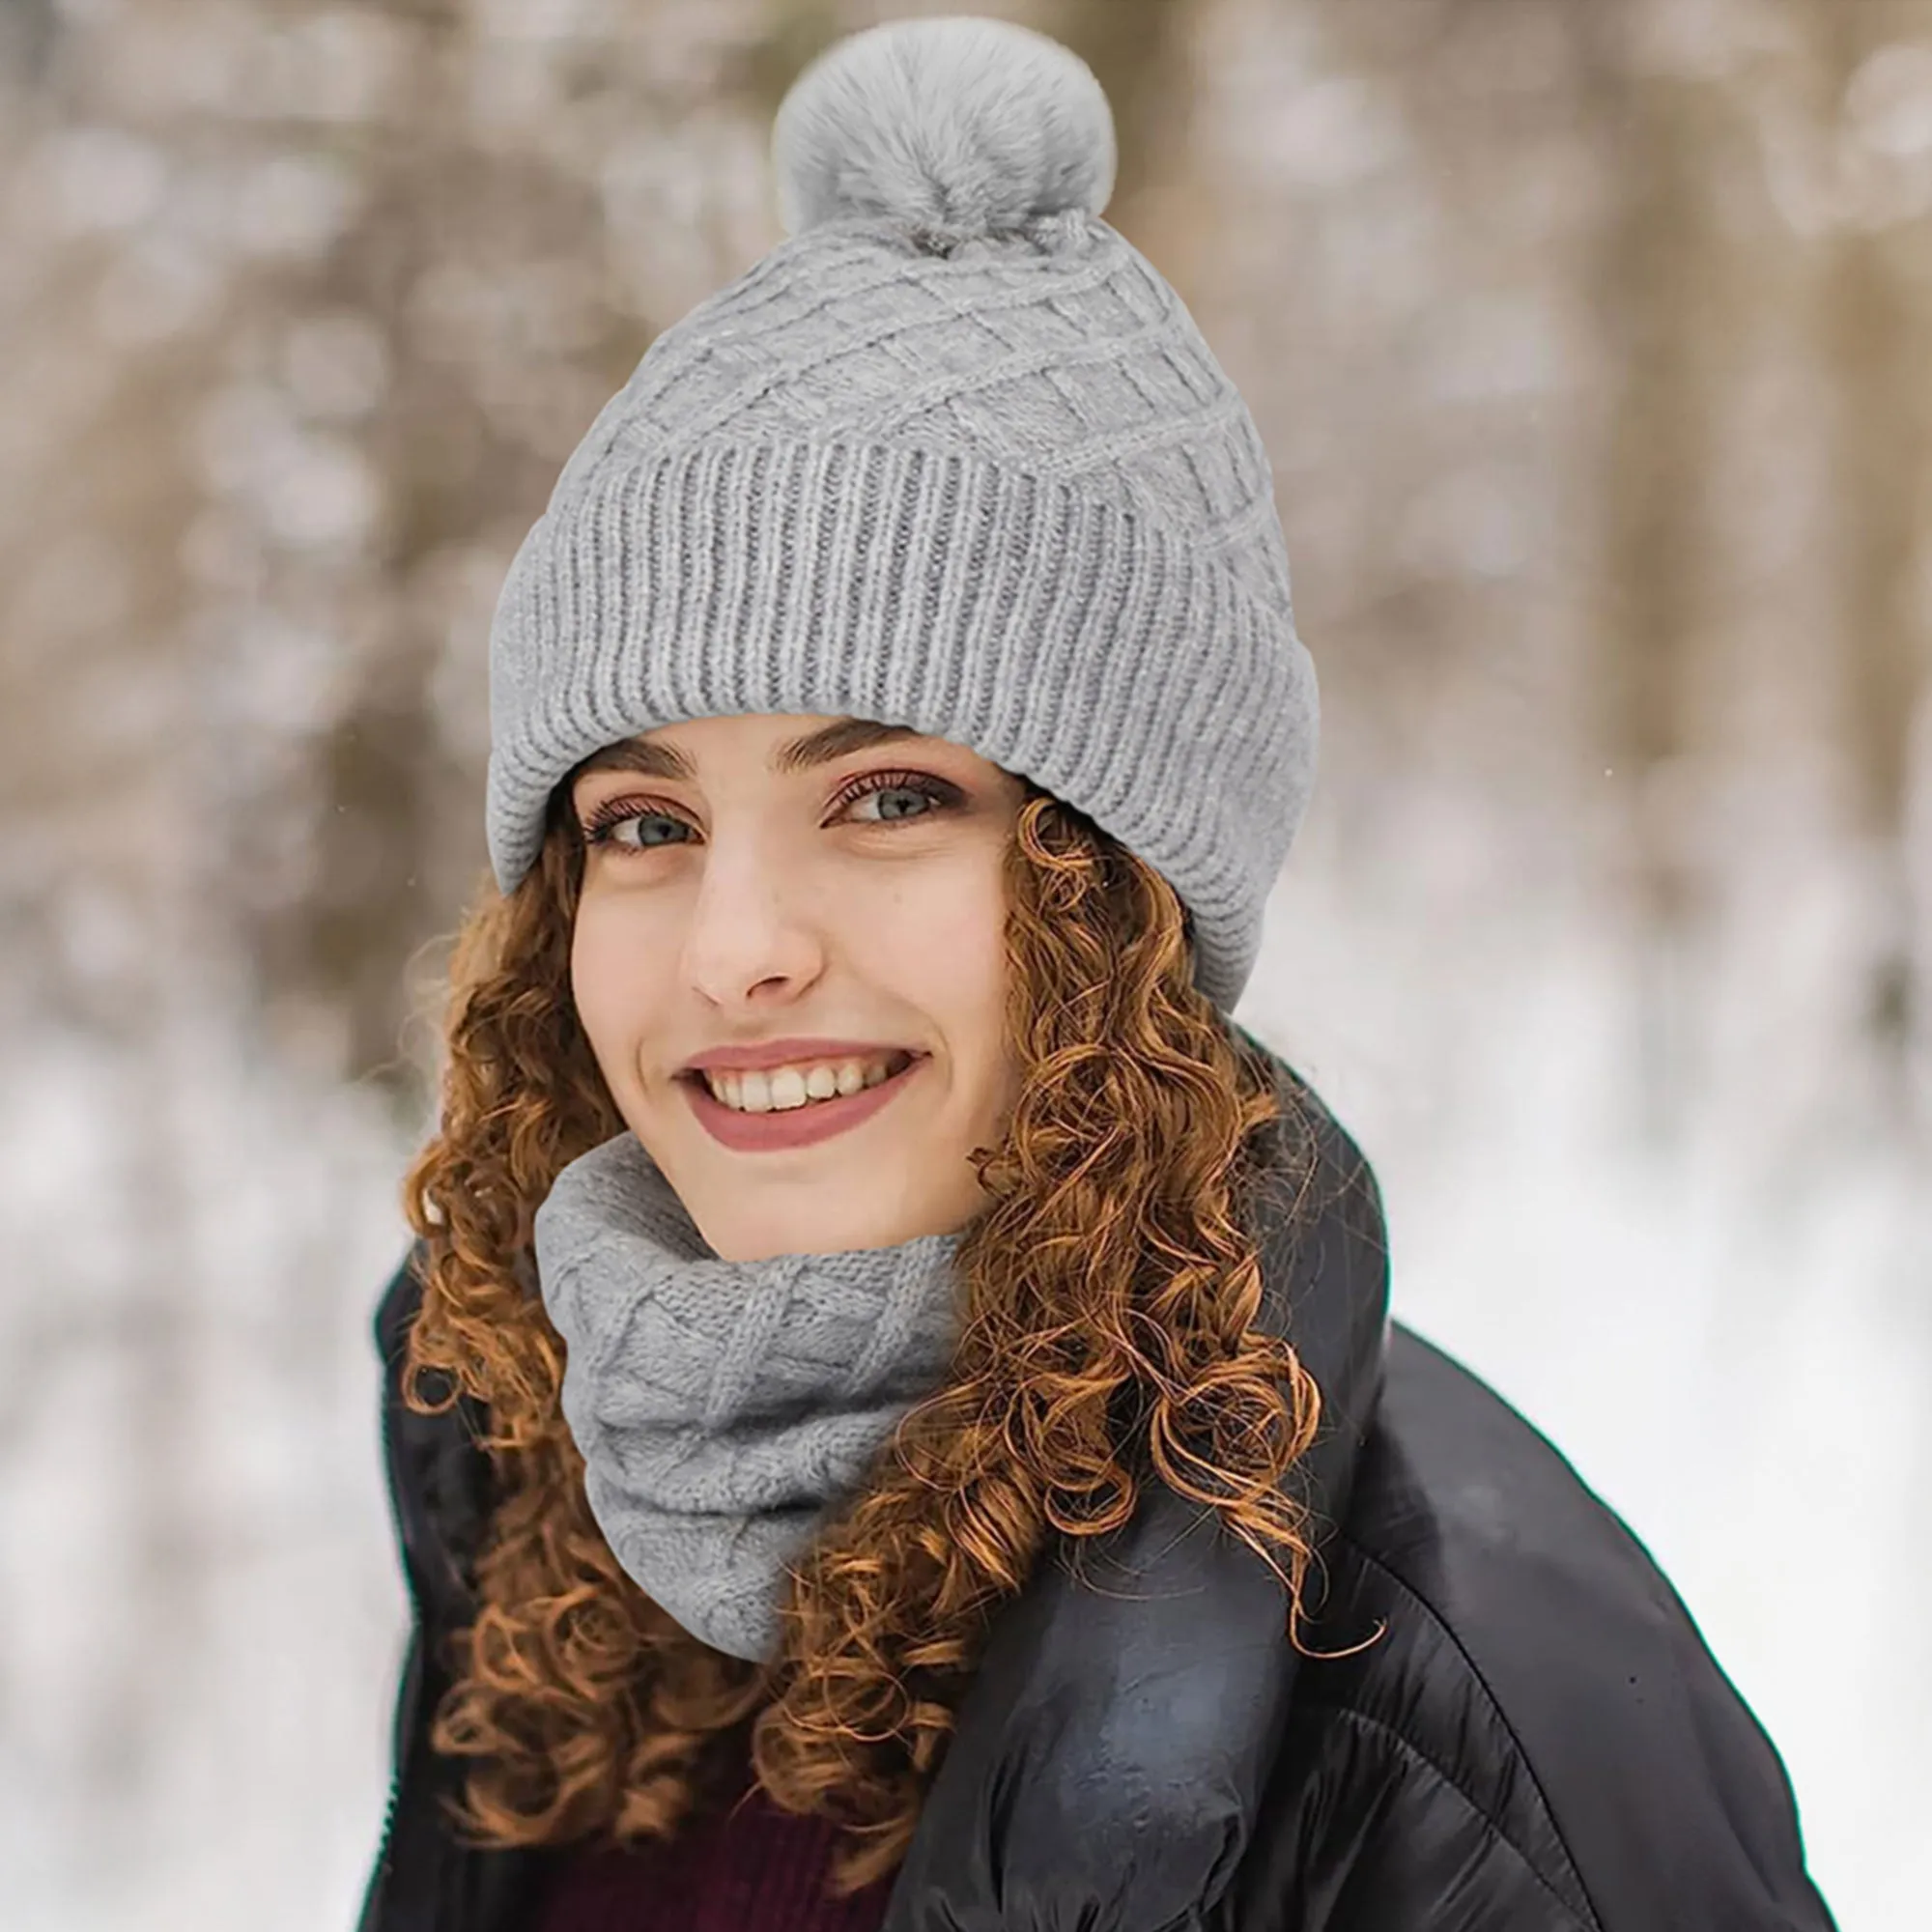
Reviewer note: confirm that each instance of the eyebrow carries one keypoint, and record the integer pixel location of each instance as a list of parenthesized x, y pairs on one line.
[(795, 755)]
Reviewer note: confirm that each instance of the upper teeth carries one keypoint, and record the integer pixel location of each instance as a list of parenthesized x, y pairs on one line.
[(773, 1088)]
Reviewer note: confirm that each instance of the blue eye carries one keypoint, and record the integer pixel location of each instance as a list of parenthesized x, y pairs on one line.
[(937, 794), (605, 828)]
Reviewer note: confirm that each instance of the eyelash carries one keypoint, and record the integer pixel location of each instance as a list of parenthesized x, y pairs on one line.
[(616, 811)]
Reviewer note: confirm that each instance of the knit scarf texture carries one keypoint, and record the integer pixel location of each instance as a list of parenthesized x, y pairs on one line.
[(725, 1408)]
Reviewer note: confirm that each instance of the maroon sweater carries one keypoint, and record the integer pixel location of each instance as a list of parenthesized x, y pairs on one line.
[(739, 1865)]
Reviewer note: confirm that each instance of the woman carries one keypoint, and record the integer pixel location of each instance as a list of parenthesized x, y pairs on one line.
[(891, 1418)]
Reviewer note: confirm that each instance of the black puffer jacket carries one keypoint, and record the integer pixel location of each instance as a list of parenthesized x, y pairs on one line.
[(1523, 1734)]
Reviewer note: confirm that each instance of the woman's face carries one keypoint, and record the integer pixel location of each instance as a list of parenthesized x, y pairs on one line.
[(820, 894)]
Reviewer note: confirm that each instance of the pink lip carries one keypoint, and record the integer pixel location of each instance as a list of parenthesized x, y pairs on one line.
[(795, 1126)]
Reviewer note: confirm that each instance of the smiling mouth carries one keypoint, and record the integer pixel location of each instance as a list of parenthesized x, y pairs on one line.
[(799, 1088), (811, 1122)]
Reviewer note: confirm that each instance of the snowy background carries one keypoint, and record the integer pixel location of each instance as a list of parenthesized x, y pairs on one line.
[(1591, 346)]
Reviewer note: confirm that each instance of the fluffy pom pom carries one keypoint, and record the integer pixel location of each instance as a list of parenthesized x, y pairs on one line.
[(959, 125)]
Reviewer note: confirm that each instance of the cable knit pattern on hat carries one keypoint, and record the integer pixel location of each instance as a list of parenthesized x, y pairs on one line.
[(721, 1408), (953, 455)]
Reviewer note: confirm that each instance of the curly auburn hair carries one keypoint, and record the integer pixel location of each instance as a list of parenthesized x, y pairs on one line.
[(1109, 1340)]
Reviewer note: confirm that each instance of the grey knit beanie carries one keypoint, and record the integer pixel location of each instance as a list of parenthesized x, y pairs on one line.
[(951, 456)]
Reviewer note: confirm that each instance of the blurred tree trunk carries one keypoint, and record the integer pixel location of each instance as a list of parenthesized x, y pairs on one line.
[(381, 774), (27, 31), (1139, 53), (1658, 277), (1877, 347)]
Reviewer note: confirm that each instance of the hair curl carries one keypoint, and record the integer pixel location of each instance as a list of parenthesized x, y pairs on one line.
[(1112, 1292)]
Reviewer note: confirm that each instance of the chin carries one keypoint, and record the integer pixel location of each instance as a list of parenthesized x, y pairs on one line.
[(811, 1225), (817, 1235)]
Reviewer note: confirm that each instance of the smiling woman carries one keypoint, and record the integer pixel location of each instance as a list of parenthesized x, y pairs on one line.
[(886, 1357), (973, 1243)]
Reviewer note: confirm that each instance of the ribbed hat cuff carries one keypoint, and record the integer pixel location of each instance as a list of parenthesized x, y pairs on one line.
[(1054, 632)]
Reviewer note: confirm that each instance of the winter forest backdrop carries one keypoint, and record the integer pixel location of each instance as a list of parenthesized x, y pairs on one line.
[(1590, 342)]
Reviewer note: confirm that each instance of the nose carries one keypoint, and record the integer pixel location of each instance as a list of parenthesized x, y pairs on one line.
[(754, 929)]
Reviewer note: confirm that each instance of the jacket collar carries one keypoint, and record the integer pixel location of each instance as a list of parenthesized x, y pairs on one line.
[(1111, 1751)]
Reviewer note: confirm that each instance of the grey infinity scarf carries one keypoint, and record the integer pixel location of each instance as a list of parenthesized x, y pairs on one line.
[(722, 1407)]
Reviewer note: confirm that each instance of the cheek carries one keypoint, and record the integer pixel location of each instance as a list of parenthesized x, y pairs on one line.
[(949, 948), (609, 980)]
